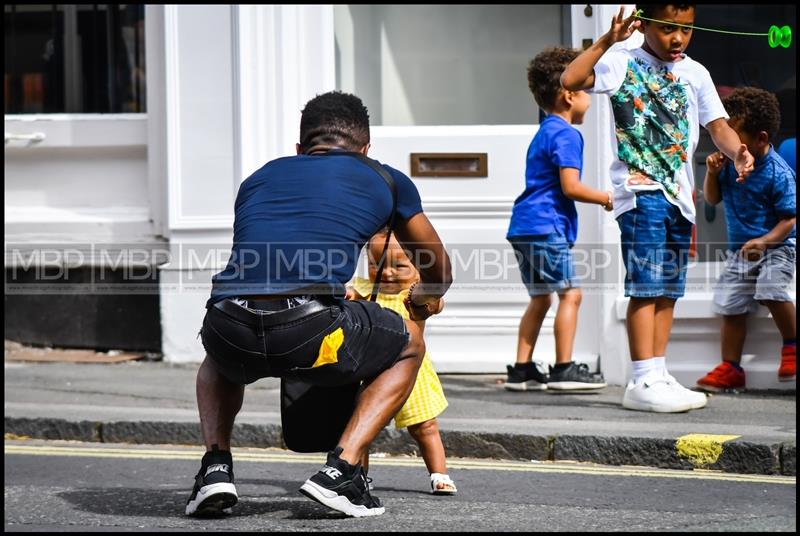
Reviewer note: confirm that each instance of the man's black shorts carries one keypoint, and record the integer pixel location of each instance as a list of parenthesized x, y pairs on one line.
[(337, 343)]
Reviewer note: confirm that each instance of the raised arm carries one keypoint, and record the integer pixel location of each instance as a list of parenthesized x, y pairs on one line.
[(711, 190), (426, 251), (727, 140), (580, 73)]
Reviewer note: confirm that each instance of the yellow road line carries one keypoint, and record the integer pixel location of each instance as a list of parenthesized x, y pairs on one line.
[(454, 463)]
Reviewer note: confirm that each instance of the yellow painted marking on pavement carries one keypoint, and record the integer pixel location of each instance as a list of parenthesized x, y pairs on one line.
[(455, 463), (702, 449)]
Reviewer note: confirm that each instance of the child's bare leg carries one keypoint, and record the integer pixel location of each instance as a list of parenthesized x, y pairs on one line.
[(783, 314), (664, 311), (640, 321), (733, 333), (427, 436), (566, 323), (529, 327)]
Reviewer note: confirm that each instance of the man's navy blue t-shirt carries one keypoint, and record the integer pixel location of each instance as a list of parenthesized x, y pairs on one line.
[(543, 208), (301, 221)]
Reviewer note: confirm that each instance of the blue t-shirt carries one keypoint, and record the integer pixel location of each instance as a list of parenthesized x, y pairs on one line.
[(754, 207), (301, 221), (543, 208), (788, 151)]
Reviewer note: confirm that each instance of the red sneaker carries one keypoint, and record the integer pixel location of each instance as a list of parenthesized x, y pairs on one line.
[(724, 376), (788, 370)]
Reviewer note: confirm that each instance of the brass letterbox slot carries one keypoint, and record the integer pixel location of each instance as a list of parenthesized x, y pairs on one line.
[(449, 165)]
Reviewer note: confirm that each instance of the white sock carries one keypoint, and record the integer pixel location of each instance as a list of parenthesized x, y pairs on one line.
[(642, 368), (661, 364)]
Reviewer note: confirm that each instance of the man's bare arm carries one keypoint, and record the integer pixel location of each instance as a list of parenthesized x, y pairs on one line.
[(426, 251)]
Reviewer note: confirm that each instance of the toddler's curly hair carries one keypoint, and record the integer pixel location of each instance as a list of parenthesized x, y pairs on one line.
[(544, 74), (757, 109)]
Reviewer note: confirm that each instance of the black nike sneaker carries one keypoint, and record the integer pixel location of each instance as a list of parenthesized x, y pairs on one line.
[(214, 493), (343, 487)]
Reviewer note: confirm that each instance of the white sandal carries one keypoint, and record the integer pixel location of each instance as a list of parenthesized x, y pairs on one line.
[(442, 484)]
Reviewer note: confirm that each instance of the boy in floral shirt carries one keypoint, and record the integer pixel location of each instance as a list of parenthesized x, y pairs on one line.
[(659, 96)]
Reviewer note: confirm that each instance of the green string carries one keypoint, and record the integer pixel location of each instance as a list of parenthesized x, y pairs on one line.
[(638, 16)]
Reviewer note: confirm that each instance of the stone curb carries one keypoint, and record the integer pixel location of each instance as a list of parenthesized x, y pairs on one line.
[(735, 457)]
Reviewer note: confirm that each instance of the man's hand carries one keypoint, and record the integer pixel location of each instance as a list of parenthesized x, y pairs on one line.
[(439, 306), (621, 28), (715, 162), (424, 311), (743, 163), (754, 249)]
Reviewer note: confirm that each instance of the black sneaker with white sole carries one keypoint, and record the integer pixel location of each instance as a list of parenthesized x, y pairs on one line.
[(527, 378), (574, 377), (214, 493), (343, 487)]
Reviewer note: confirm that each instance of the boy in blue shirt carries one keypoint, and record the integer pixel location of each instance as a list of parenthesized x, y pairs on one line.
[(544, 225), (760, 214)]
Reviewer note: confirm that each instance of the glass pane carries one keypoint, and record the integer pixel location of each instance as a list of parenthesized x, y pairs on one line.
[(735, 61), (444, 64), (32, 78), (74, 58)]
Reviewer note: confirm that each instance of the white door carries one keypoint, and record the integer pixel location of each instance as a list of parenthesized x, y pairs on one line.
[(444, 80)]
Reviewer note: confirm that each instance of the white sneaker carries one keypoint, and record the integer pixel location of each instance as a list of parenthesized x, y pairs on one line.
[(697, 400), (654, 393)]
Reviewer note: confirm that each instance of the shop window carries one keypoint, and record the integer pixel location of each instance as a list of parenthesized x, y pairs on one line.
[(74, 58), (736, 61)]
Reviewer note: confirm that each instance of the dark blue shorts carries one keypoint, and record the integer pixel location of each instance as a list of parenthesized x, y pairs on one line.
[(655, 247), (545, 262), (338, 343)]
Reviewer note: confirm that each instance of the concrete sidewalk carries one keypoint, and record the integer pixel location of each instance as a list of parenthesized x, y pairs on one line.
[(154, 402)]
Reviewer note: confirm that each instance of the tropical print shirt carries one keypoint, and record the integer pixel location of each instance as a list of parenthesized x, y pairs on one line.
[(657, 108), (652, 132)]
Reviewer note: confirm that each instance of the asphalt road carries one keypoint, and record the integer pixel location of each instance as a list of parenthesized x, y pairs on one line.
[(71, 486)]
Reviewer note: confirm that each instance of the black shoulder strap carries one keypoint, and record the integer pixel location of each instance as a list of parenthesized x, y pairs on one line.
[(387, 177)]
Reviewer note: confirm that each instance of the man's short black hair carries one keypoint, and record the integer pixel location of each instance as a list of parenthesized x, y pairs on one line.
[(544, 74), (334, 118), (757, 109), (650, 10)]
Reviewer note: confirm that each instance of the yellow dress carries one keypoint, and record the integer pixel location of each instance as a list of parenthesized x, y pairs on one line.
[(427, 399)]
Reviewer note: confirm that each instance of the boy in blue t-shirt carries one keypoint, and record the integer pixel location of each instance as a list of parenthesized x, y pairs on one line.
[(544, 225), (760, 215)]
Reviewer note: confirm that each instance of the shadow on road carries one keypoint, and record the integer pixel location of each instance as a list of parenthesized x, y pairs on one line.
[(170, 503)]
